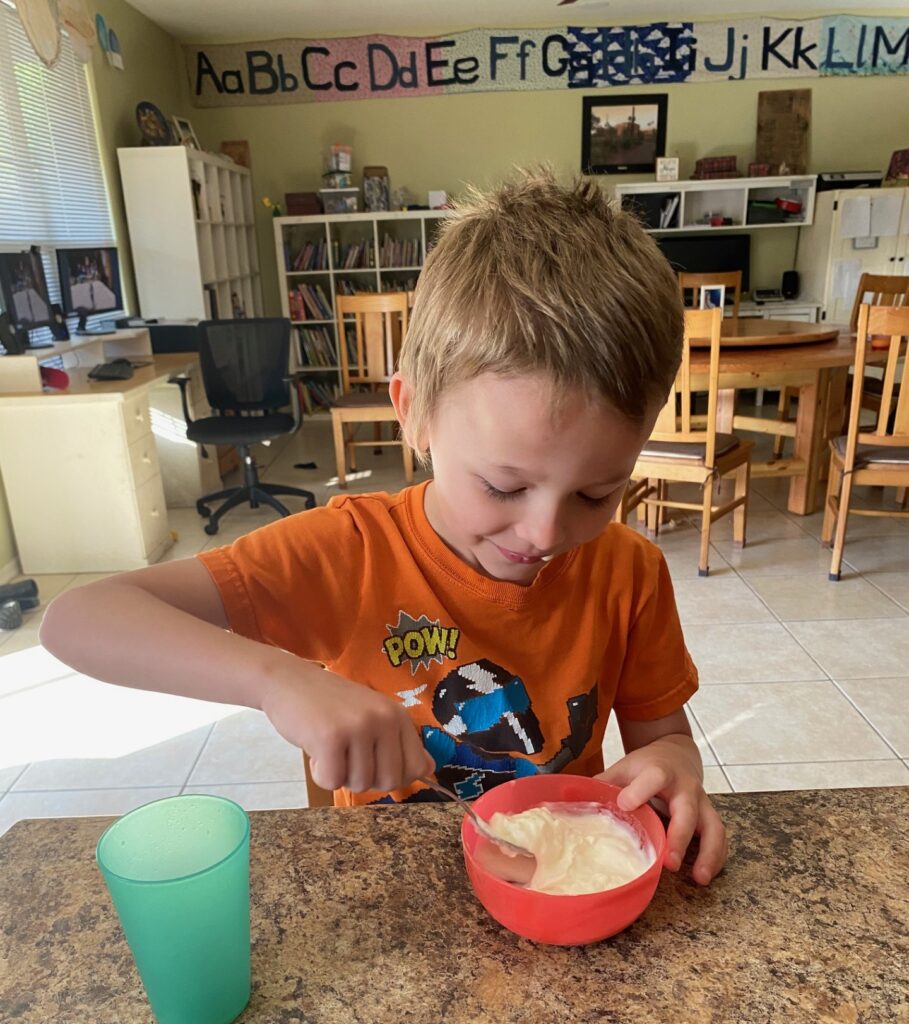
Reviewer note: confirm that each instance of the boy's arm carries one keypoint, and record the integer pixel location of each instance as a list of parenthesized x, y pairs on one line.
[(164, 628), (663, 761)]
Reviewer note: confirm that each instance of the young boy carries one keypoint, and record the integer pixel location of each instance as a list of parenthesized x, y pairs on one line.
[(481, 626)]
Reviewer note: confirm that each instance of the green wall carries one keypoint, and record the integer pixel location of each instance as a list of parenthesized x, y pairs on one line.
[(444, 141)]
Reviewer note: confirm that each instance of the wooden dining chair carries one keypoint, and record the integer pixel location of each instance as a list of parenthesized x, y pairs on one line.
[(370, 330), (877, 290), (878, 457), (678, 452), (731, 280)]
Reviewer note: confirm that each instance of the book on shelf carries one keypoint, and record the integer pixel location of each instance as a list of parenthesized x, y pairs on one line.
[(397, 252), (312, 256), (315, 395), (399, 284), (316, 346), (357, 255), (668, 211), (358, 287), (309, 302)]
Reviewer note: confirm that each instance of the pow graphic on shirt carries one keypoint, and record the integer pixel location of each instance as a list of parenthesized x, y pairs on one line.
[(487, 730), (419, 642)]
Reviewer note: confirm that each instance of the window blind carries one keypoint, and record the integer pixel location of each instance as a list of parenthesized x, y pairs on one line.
[(52, 190)]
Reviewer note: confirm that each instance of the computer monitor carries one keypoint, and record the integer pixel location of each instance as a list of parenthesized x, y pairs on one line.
[(24, 288), (706, 254), (89, 281)]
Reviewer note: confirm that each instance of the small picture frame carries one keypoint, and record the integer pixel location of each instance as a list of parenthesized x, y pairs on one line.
[(667, 168), (712, 296), (184, 132)]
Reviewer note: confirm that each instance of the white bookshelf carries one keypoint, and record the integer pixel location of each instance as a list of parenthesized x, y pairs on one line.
[(194, 247), (725, 197), (412, 230)]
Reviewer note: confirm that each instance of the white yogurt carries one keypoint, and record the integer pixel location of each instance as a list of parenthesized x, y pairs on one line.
[(578, 850)]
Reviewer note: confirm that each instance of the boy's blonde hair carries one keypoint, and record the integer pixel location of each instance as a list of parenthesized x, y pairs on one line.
[(537, 276)]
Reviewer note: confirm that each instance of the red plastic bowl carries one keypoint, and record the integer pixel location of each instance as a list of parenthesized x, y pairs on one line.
[(561, 920)]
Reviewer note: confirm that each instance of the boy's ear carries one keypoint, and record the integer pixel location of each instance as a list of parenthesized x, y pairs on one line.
[(401, 394)]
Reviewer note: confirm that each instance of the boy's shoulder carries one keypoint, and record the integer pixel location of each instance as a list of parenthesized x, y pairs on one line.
[(373, 503), (619, 538)]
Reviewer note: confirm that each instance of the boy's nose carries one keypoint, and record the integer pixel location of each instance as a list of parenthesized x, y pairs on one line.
[(544, 531)]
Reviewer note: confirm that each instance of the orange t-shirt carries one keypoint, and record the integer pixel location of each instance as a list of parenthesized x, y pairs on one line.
[(501, 680)]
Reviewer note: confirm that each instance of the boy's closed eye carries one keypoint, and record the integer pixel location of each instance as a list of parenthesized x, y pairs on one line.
[(501, 495)]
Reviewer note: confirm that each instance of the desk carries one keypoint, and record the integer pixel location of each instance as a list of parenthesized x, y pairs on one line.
[(89, 471), (819, 373), (366, 915)]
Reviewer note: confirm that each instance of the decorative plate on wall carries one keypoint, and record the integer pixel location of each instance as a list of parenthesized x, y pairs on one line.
[(101, 29), (156, 131)]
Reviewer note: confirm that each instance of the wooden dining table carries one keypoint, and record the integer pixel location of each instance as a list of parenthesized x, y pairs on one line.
[(814, 359), (366, 916)]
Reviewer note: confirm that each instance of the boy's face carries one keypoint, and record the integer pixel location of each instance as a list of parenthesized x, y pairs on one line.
[(516, 483)]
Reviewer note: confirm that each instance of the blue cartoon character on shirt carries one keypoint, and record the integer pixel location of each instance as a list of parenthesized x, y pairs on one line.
[(488, 730)]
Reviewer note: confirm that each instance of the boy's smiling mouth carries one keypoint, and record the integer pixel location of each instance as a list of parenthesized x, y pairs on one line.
[(518, 557)]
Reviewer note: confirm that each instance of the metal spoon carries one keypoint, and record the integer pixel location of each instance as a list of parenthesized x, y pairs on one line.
[(481, 826)]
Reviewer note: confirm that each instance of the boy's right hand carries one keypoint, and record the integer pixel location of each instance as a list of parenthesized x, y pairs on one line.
[(355, 738)]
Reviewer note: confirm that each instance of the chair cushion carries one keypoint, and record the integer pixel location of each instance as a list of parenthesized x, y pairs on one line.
[(695, 450), (240, 429), (362, 399), (898, 455)]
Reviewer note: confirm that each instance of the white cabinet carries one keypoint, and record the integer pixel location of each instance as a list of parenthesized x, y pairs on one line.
[(832, 258), (192, 233), (97, 502), (90, 470), (671, 206)]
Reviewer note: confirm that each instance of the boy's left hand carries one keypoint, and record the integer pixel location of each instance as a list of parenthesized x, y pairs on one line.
[(669, 768)]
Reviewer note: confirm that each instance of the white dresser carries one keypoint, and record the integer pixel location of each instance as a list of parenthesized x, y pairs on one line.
[(87, 469)]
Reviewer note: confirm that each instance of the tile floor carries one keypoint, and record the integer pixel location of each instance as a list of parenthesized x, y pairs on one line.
[(804, 682)]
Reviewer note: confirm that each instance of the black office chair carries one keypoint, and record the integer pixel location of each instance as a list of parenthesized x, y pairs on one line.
[(244, 371)]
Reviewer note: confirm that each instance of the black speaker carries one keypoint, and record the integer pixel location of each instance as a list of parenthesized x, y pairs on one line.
[(13, 340), (58, 323), (790, 285)]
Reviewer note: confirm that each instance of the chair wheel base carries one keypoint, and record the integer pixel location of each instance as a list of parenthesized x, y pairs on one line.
[(203, 511), (703, 572), (211, 529)]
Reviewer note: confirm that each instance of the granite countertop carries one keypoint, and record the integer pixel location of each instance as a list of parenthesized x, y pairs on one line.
[(367, 916)]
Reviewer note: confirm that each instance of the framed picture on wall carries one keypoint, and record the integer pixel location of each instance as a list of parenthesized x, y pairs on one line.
[(623, 134)]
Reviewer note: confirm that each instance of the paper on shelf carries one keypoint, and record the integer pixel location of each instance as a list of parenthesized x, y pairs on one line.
[(846, 274), (885, 214), (855, 220)]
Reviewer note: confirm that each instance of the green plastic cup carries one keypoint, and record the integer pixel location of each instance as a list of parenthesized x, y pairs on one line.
[(178, 872)]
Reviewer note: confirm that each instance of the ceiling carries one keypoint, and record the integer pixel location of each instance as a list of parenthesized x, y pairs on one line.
[(222, 20)]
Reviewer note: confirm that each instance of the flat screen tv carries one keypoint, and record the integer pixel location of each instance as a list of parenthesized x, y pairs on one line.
[(706, 254), (24, 289)]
